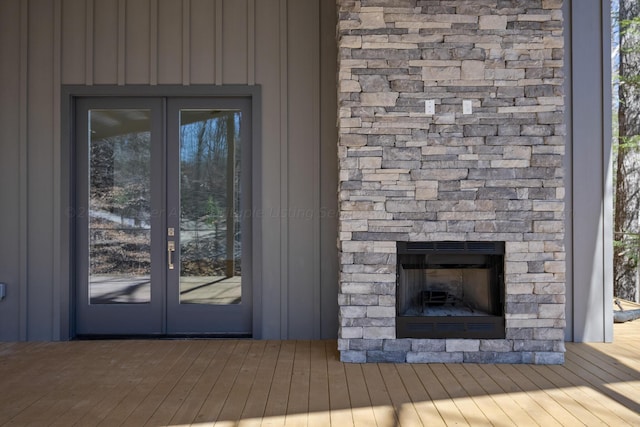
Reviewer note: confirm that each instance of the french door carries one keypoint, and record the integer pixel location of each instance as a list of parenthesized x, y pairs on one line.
[(163, 234)]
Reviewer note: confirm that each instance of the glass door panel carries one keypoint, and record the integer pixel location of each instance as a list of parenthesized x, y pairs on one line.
[(208, 200), (210, 230), (119, 197), (119, 206)]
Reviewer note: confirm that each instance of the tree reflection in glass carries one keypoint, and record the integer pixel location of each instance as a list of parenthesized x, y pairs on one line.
[(210, 247), (119, 206)]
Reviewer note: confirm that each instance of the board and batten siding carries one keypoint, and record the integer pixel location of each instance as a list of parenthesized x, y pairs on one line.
[(285, 46)]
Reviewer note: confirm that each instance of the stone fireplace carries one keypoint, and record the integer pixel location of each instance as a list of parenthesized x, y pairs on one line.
[(451, 130)]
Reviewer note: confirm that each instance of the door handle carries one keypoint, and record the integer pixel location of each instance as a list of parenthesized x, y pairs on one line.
[(171, 248)]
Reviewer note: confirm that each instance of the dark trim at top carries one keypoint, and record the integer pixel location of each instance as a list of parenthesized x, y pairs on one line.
[(160, 90)]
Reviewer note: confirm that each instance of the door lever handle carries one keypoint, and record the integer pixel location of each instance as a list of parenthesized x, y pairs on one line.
[(171, 248)]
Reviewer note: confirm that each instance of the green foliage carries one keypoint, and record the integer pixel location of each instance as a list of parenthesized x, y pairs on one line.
[(627, 245), (628, 142), (630, 26), (214, 212), (630, 81)]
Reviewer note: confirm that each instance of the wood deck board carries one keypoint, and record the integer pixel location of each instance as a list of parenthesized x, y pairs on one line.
[(48, 399), (406, 412), (237, 398), (18, 376), (276, 409), (604, 369), (108, 387), (381, 402), (597, 376), (459, 395), (217, 397), (190, 408), (544, 396), (528, 401), (571, 398), (621, 399), (86, 392), (507, 403), (300, 383), (582, 394), (171, 404), (298, 401), (339, 401), (423, 404), (165, 399), (139, 404), (446, 406), (359, 396), (48, 402), (319, 386), (120, 402), (484, 401), (615, 367), (257, 400), (24, 371)]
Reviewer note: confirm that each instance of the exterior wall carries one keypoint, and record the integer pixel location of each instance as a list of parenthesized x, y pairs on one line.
[(12, 189), (588, 171), (276, 44), (493, 175), (46, 43)]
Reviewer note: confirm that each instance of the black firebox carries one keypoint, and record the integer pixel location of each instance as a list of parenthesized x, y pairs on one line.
[(450, 290)]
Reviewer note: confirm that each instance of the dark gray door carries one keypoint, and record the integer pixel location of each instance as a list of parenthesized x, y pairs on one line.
[(163, 216)]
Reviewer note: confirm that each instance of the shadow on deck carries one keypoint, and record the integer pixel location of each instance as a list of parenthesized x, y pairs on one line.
[(244, 382)]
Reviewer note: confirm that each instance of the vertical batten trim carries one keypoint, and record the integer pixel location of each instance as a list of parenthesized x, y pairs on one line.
[(317, 194), (569, 170), (88, 47), (284, 166), (217, 78), (122, 34), (186, 42), (56, 218), (607, 191), (153, 42), (251, 42), (328, 172), (24, 178)]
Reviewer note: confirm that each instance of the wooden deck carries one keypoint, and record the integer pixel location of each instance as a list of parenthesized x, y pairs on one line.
[(247, 383)]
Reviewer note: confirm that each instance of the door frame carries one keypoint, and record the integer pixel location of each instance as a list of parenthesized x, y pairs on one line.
[(67, 238)]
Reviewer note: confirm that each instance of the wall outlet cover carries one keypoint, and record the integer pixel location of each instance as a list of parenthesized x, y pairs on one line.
[(430, 107), (467, 107)]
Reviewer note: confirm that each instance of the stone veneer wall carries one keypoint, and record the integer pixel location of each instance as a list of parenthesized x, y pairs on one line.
[(494, 175)]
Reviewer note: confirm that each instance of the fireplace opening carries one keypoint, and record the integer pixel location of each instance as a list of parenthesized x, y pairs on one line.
[(450, 290)]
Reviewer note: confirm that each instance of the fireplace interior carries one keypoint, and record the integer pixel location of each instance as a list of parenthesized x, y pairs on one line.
[(450, 290)]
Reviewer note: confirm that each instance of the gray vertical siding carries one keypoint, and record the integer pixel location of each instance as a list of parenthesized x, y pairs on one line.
[(273, 43), (328, 168), (303, 185), (202, 40), (40, 168), (11, 179), (590, 277)]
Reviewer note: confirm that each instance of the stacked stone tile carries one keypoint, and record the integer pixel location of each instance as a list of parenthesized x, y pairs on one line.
[(493, 175)]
